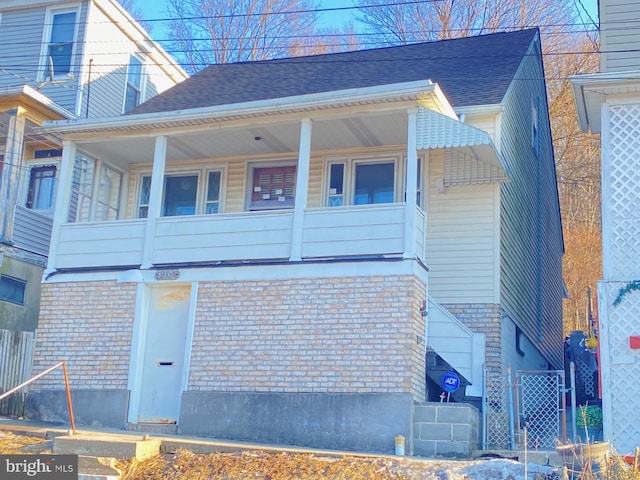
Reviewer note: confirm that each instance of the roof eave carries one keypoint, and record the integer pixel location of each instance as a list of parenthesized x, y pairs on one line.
[(414, 91), (590, 91)]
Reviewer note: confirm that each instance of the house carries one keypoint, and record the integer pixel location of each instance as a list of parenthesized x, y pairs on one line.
[(281, 242), (608, 103), (69, 71), (58, 60)]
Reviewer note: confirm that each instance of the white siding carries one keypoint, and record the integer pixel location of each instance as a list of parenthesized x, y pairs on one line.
[(20, 35), (620, 35), (461, 239)]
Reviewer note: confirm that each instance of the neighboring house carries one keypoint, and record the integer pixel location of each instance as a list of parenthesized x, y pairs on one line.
[(252, 262), (57, 60), (609, 103)]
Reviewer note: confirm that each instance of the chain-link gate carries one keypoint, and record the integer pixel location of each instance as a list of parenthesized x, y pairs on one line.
[(541, 407), (532, 407)]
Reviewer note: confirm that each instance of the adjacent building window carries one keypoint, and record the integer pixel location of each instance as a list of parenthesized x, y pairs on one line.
[(184, 195), (59, 51), (41, 188), (133, 92), (12, 290), (273, 187)]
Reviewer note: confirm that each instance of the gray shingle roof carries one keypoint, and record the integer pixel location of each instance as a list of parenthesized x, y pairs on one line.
[(470, 71)]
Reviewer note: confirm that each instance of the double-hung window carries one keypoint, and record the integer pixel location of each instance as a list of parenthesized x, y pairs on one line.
[(41, 187), (133, 92), (59, 49)]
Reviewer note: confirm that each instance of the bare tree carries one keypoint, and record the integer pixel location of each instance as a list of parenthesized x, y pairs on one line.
[(222, 31), (410, 22), (133, 10)]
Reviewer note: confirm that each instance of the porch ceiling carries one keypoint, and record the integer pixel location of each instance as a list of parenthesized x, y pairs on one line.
[(372, 130)]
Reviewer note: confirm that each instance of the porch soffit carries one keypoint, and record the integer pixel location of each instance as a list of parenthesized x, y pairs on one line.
[(470, 155)]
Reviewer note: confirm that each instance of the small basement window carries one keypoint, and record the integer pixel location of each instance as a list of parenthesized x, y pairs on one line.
[(12, 290)]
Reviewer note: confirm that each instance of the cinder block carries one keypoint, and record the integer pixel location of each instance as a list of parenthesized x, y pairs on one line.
[(435, 431), (424, 448), (424, 413), (454, 449)]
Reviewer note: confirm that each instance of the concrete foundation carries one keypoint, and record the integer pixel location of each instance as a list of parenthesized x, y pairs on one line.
[(106, 408), (355, 422)]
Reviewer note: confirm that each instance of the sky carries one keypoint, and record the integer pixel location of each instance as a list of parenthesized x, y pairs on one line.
[(156, 9)]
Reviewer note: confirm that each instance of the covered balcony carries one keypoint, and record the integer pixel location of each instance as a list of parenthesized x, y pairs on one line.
[(326, 177)]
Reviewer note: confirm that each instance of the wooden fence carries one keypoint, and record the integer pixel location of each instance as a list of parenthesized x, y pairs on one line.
[(16, 358)]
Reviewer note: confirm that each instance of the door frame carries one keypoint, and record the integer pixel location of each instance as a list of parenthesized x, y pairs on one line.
[(139, 342)]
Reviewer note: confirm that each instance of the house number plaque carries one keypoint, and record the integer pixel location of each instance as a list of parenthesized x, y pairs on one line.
[(167, 274)]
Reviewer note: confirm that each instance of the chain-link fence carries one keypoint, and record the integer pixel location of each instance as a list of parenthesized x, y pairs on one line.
[(496, 412)]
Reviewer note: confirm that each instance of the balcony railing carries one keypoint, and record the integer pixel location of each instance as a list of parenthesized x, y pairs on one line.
[(367, 230)]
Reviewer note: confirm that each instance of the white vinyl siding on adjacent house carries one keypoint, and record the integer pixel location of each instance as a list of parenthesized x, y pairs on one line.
[(462, 233), (619, 35)]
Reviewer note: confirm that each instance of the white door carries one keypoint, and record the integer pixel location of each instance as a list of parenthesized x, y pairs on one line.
[(164, 355)]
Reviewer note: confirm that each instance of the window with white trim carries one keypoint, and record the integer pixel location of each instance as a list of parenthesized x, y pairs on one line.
[(361, 181), (60, 43), (367, 180), (133, 91), (185, 193)]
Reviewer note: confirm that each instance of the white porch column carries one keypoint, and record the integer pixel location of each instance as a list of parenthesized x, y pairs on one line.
[(155, 199), (63, 195), (11, 172), (302, 188), (411, 186)]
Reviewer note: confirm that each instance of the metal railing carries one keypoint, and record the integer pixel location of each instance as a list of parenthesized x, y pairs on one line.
[(66, 384)]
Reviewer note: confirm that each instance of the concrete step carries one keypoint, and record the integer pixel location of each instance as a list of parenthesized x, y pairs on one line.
[(98, 468), (115, 446)]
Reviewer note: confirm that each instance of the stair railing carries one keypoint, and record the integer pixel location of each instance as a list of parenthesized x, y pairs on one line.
[(62, 364)]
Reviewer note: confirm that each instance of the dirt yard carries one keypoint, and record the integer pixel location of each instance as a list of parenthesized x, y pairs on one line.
[(185, 465)]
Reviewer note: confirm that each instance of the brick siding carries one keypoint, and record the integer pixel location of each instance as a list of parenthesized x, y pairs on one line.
[(351, 335), (89, 325)]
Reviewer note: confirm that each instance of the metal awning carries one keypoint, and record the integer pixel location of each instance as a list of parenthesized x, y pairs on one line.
[(470, 154)]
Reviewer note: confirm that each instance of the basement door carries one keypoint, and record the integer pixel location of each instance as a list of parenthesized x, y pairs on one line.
[(164, 357)]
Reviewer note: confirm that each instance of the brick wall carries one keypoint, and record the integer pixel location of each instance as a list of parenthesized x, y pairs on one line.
[(445, 430), (483, 318), (348, 335), (88, 324)]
